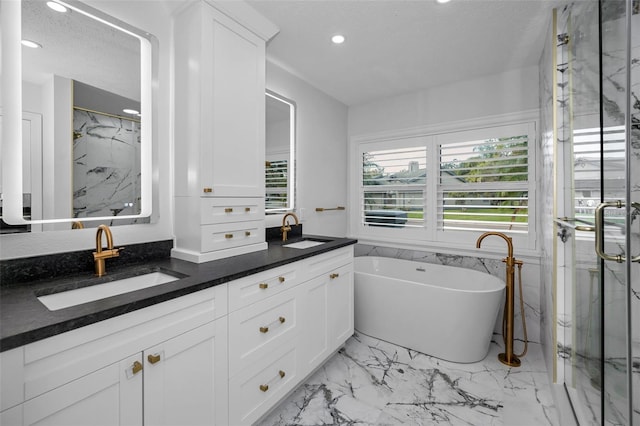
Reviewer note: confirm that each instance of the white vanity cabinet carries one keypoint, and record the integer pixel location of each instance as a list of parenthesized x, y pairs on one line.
[(225, 355), (165, 364), (283, 324), (220, 130)]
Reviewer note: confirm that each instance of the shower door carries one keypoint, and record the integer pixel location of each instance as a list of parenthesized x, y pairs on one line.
[(598, 159)]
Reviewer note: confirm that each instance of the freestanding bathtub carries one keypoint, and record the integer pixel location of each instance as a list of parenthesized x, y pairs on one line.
[(443, 311)]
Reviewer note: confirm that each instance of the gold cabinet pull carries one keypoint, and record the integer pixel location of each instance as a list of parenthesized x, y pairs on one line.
[(334, 275), (263, 286), (281, 279), (228, 210), (136, 367), (265, 387), (154, 358), (247, 209), (228, 236), (247, 233), (208, 190), (265, 329)]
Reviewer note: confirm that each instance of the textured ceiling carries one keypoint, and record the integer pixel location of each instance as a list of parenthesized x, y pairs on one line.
[(400, 46)]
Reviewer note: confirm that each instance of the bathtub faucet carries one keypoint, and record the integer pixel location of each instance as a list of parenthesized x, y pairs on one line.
[(508, 358)]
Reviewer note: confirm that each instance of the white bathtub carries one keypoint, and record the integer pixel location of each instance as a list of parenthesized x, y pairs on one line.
[(443, 311)]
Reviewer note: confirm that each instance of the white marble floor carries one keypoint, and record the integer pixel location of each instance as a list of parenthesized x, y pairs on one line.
[(371, 382)]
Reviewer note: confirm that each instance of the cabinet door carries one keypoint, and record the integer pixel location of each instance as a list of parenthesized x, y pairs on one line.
[(314, 321), (340, 305), (233, 154), (185, 381), (109, 396), (327, 315)]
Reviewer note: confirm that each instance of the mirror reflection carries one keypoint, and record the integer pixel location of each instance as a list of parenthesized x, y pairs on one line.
[(82, 85), (280, 154)]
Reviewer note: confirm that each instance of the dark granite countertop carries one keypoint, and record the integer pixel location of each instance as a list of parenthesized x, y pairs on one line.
[(24, 319)]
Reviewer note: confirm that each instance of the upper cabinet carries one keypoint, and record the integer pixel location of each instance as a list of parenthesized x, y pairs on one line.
[(220, 107), (220, 130)]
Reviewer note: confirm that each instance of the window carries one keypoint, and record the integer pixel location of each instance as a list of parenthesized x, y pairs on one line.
[(393, 187), (276, 184), (483, 184), (448, 187)]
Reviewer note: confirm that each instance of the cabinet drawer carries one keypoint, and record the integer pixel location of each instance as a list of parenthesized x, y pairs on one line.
[(230, 235), (261, 329), (257, 287), (253, 392), (225, 210), (320, 264)]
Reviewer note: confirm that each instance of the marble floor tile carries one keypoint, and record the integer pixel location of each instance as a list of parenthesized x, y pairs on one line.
[(372, 382)]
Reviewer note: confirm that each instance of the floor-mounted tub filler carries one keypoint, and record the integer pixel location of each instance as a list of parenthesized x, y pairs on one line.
[(442, 311)]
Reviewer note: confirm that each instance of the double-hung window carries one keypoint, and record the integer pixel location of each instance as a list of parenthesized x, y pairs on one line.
[(448, 187)]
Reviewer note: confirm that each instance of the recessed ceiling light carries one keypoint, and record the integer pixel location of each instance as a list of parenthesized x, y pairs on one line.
[(337, 39), (56, 6), (443, 1), (31, 44), (130, 111)]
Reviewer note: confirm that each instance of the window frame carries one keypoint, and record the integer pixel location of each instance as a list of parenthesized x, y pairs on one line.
[(433, 136)]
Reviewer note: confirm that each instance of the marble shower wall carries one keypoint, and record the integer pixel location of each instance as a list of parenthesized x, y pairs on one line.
[(106, 165), (635, 196), (530, 282)]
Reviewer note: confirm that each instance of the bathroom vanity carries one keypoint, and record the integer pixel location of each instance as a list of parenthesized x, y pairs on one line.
[(222, 345)]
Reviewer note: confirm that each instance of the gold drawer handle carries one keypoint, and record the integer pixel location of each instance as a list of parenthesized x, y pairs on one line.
[(265, 388), (247, 209), (228, 210), (281, 279), (208, 190), (154, 358), (265, 329), (228, 236), (264, 286), (334, 275), (247, 233), (136, 367)]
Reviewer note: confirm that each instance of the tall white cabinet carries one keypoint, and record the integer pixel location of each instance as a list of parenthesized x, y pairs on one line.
[(219, 130)]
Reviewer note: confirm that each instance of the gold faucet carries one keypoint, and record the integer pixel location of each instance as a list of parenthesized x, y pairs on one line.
[(285, 226), (508, 356), (101, 254)]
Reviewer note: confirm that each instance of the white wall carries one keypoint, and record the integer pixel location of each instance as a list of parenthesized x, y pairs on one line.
[(508, 92), (155, 18), (321, 156)]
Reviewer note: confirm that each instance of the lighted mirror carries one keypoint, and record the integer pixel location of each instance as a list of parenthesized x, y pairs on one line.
[(280, 154), (76, 117)]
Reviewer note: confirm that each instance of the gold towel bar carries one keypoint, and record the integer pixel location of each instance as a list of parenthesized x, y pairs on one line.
[(322, 209)]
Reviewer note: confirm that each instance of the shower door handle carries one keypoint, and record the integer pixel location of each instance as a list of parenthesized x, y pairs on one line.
[(599, 219)]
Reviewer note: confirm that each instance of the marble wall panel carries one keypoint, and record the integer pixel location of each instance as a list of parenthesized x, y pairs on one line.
[(106, 171)]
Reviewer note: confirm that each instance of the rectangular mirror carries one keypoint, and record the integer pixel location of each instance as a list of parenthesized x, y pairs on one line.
[(280, 154), (76, 117)]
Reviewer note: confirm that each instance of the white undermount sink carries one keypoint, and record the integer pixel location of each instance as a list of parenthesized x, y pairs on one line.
[(66, 299), (304, 244)]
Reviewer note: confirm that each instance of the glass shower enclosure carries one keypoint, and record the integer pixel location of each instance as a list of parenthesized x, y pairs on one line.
[(597, 83)]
